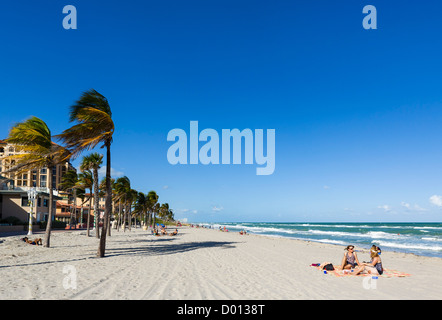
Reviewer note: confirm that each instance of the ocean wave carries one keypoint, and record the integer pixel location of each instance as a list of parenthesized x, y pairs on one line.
[(407, 246)]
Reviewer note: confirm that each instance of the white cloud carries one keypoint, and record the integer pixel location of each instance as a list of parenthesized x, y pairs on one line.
[(186, 210), (217, 209), (436, 200), (406, 205), (165, 187), (114, 173), (326, 187), (386, 207), (412, 208)]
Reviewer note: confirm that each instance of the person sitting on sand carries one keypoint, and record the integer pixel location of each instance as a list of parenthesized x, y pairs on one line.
[(174, 233), (350, 259), (375, 265)]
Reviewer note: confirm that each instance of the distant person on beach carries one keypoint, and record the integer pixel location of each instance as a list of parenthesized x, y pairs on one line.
[(350, 259), (174, 233), (374, 266)]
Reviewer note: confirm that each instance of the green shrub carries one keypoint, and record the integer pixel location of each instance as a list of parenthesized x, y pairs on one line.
[(56, 224), (12, 221)]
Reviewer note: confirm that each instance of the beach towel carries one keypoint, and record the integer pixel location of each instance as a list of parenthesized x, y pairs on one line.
[(388, 273)]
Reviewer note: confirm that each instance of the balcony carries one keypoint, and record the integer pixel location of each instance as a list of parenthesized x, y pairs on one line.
[(25, 189)]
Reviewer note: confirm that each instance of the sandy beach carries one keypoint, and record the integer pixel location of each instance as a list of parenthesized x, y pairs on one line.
[(199, 264)]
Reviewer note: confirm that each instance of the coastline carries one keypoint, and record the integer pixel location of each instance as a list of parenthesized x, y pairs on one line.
[(198, 264), (422, 239)]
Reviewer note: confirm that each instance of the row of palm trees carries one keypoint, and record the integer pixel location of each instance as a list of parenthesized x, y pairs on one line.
[(92, 126), (127, 202)]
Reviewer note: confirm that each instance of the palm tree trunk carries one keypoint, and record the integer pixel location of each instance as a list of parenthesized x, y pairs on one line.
[(149, 222), (108, 203), (96, 204), (109, 220), (89, 213), (49, 222), (74, 209), (119, 215)]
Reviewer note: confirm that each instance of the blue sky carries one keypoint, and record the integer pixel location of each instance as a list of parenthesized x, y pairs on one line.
[(357, 112)]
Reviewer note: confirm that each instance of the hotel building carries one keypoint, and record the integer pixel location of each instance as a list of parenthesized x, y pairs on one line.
[(13, 190)]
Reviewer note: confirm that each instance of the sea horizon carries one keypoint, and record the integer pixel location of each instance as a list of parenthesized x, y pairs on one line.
[(419, 238)]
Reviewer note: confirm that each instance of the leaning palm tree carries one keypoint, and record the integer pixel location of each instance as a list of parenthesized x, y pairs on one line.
[(102, 193), (69, 183), (153, 199), (93, 162), (142, 206), (131, 198), (122, 187), (33, 138), (86, 181), (93, 126)]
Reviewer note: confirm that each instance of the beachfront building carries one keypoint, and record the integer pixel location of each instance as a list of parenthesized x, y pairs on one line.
[(13, 187), (65, 206)]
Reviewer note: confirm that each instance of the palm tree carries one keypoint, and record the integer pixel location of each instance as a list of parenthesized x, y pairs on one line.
[(93, 162), (122, 194), (103, 194), (81, 193), (153, 199), (94, 125), (164, 210), (142, 206), (86, 180), (69, 183), (33, 137)]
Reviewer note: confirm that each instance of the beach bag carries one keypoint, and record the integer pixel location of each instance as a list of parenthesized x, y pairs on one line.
[(328, 267)]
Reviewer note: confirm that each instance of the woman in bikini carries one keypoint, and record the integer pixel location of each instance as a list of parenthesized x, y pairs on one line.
[(375, 265), (350, 259)]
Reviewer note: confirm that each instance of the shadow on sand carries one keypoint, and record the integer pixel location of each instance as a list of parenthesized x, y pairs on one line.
[(164, 249)]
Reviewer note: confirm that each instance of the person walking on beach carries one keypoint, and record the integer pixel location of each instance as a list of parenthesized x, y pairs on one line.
[(350, 259), (375, 265)]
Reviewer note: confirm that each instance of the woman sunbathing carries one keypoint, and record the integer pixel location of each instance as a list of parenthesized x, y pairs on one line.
[(37, 241)]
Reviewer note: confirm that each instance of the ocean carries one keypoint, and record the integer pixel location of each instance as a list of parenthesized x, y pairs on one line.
[(423, 239)]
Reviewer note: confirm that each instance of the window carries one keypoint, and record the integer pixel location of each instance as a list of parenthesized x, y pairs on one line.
[(39, 201), (43, 171), (11, 149), (24, 202), (45, 202)]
